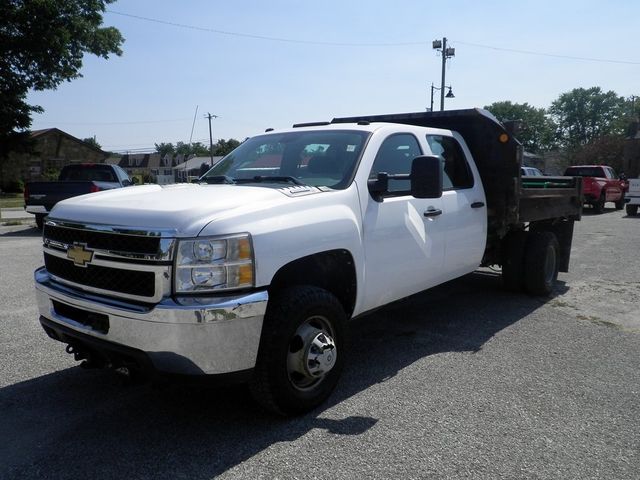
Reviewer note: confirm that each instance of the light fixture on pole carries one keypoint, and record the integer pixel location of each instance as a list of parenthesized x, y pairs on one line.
[(448, 95), (446, 52)]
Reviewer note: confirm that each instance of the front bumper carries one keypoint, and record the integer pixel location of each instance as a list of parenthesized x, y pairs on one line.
[(188, 335)]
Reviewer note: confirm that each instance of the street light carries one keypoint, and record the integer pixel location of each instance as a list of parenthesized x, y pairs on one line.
[(448, 95), (446, 52)]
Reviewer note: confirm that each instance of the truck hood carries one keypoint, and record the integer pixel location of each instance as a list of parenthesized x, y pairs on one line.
[(184, 209)]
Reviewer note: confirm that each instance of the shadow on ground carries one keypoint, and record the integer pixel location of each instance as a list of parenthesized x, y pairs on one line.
[(84, 424)]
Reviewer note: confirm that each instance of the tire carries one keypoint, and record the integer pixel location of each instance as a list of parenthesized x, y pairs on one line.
[(303, 324), (599, 205), (39, 221), (632, 210), (620, 203), (513, 248), (541, 263)]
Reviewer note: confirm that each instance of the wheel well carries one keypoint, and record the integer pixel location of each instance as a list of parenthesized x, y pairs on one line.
[(333, 271)]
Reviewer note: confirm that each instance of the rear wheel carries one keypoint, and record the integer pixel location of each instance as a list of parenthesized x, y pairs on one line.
[(541, 263), (301, 350), (620, 203), (513, 248), (632, 210)]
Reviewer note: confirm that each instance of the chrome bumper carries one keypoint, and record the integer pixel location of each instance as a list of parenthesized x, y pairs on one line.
[(189, 335)]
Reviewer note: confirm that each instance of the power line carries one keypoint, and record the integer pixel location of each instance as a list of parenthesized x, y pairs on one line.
[(113, 123), (349, 44), (263, 37), (543, 54)]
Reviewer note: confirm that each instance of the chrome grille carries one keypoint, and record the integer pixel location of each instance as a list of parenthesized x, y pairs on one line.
[(125, 263)]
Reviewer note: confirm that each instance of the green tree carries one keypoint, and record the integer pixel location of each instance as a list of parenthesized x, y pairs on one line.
[(583, 115), (92, 141), (165, 148), (42, 44), (196, 148), (223, 147), (535, 130)]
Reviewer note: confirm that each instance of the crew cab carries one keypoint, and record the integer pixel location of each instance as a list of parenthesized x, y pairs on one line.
[(600, 184), (252, 273), (73, 180)]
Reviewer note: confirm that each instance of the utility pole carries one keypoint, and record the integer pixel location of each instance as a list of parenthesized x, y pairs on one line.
[(209, 116), (446, 52)]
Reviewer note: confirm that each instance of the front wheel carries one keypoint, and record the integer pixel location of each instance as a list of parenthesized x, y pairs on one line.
[(39, 220), (599, 204), (301, 350)]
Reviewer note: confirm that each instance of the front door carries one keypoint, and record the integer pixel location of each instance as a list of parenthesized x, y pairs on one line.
[(404, 240)]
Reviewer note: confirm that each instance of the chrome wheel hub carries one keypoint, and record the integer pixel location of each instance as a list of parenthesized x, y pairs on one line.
[(312, 353)]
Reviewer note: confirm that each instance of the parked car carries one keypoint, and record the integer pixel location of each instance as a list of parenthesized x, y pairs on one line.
[(632, 198), (74, 180), (600, 184), (530, 172)]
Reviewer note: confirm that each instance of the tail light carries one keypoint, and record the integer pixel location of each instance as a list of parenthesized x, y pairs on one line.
[(94, 188), (26, 193)]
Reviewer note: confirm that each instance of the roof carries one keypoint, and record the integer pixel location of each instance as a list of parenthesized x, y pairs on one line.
[(46, 131), (195, 163)]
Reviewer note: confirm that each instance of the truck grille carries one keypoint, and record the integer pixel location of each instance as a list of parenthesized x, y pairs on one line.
[(104, 278), (124, 263), (103, 240)]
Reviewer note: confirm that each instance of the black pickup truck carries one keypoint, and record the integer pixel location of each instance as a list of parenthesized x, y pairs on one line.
[(74, 180)]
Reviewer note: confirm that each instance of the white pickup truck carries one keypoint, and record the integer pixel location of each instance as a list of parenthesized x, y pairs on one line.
[(632, 197), (252, 273)]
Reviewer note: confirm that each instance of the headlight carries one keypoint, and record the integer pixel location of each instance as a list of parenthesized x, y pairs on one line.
[(209, 264)]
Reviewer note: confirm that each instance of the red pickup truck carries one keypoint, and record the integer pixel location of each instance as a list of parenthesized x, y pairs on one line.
[(600, 184)]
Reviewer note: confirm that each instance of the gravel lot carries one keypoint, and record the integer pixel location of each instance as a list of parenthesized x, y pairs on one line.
[(463, 381)]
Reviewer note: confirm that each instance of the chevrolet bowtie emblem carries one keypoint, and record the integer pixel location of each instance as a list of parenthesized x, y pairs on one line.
[(80, 255)]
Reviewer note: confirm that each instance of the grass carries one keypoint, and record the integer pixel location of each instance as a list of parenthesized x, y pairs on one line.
[(11, 200)]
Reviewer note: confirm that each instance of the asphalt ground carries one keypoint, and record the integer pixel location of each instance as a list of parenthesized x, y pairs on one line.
[(463, 381)]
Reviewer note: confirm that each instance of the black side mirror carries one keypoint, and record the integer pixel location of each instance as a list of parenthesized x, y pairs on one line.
[(426, 177), (378, 186)]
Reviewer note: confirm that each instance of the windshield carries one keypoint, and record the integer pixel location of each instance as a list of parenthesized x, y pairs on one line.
[(584, 172), (317, 158)]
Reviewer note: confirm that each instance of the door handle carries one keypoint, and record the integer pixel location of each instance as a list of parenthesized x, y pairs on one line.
[(477, 205), (432, 212)]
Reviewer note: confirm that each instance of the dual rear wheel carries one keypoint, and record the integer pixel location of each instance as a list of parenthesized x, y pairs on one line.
[(530, 262)]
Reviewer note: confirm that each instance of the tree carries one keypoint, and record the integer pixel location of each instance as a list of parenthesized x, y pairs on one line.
[(92, 141), (583, 115), (165, 148), (223, 147), (196, 148), (42, 44), (535, 130)]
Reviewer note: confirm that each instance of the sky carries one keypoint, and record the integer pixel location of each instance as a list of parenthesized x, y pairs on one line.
[(258, 65)]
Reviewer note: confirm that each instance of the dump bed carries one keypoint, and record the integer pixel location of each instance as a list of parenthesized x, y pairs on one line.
[(512, 200)]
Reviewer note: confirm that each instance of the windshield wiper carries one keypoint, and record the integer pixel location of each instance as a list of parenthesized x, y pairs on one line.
[(269, 178), (217, 179)]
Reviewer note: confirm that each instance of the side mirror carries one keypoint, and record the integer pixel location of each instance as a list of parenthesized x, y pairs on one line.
[(378, 186), (426, 177)]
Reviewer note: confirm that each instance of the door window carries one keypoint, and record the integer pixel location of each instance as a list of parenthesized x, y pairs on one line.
[(395, 156), (457, 173)]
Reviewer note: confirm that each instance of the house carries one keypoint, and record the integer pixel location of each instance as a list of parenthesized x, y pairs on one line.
[(52, 150), (191, 169)]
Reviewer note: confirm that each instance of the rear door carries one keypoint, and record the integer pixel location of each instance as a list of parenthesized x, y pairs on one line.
[(464, 218)]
